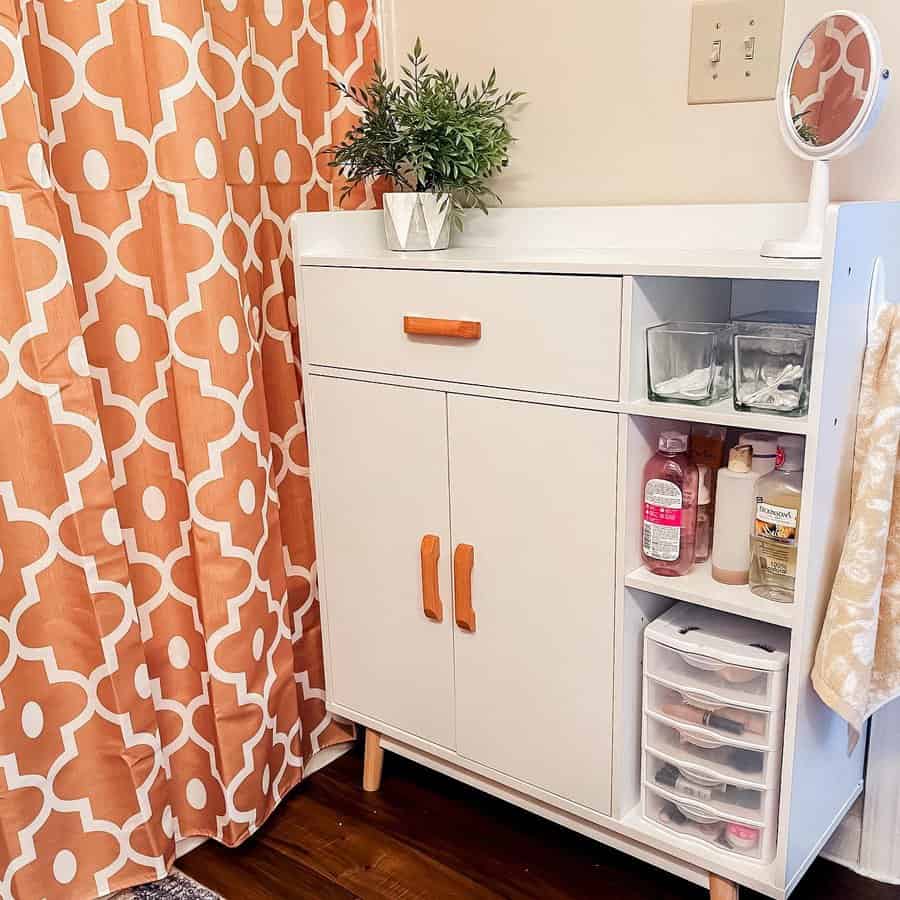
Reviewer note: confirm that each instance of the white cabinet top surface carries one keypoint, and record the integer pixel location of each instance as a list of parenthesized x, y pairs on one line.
[(708, 241), (623, 261)]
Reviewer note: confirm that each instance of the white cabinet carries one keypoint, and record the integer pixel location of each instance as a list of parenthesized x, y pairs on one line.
[(379, 458), (494, 396), (533, 490)]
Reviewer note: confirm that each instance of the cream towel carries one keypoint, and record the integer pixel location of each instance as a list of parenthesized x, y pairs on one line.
[(857, 667)]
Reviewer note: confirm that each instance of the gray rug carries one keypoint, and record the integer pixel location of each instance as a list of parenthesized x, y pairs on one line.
[(176, 887)]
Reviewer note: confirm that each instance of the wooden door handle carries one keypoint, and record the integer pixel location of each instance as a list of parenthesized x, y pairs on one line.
[(452, 328), (430, 552), (463, 560)]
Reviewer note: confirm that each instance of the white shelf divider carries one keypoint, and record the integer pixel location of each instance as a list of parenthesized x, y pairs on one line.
[(721, 413), (699, 587)]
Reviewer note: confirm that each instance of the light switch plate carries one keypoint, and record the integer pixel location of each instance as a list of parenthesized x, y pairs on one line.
[(744, 27)]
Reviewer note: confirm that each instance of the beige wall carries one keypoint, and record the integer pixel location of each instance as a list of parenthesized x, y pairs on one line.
[(607, 119)]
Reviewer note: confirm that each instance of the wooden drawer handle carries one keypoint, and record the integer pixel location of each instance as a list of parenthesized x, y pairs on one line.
[(463, 560), (430, 552), (452, 328)]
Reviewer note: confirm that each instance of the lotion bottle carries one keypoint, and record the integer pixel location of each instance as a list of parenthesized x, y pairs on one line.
[(735, 508)]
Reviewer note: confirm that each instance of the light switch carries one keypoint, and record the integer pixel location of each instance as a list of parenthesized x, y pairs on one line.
[(735, 50)]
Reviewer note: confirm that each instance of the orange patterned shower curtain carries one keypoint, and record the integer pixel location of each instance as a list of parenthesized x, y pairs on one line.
[(160, 653)]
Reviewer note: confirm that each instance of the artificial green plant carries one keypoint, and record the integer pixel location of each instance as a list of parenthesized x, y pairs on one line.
[(428, 132)]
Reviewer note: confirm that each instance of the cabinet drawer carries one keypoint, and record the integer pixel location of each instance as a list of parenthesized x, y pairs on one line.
[(748, 727), (754, 804), (696, 749), (706, 825), (554, 334), (713, 678)]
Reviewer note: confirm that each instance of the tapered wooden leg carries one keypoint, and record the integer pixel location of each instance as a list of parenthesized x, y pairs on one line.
[(373, 761), (722, 888)]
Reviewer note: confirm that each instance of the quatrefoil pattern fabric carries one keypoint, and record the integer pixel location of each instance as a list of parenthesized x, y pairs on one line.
[(831, 78), (160, 651)]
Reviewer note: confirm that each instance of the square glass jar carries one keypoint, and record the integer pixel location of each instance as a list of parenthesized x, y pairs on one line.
[(772, 365), (689, 362)]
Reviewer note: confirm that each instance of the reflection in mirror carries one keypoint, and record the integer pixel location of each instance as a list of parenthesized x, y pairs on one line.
[(827, 104), (831, 75)]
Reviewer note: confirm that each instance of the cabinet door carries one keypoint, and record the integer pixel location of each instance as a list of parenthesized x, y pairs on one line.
[(533, 491), (380, 471)]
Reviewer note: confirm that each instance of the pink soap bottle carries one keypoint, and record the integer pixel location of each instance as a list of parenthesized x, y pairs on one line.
[(669, 507)]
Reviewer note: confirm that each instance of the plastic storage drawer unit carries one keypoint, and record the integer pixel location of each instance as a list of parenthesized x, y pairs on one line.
[(714, 695)]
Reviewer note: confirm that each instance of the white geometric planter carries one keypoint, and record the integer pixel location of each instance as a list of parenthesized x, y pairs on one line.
[(417, 221)]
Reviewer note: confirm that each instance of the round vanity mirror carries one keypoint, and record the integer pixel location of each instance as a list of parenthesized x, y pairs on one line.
[(826, 105)]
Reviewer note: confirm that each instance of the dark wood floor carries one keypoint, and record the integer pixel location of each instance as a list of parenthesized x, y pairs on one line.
[(427, 836)]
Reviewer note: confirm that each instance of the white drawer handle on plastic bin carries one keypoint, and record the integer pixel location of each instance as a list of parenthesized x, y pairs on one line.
[(727, 672), (701, 701), (696, 814), (702, 743), (703, 780), (702, 662)]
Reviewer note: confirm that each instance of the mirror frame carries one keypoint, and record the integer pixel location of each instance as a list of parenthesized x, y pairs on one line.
[(865, 118)]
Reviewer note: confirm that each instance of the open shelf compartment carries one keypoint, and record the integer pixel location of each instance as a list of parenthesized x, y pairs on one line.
[(656, 300), (698, 585)]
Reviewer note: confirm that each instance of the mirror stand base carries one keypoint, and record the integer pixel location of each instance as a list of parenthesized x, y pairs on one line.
[(807, 245), (792, 249)]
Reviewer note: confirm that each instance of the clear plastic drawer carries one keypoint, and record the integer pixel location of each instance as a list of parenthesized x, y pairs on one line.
[(695, 821), (732, 683), (750, 727), (729, 799), (694, 749)]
